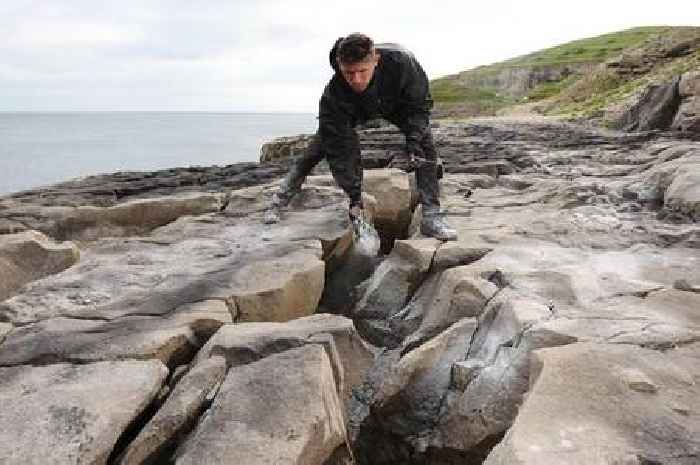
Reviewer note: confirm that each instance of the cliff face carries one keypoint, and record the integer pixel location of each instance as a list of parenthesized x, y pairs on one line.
[(485, 91), (609, 80), (517, 82)]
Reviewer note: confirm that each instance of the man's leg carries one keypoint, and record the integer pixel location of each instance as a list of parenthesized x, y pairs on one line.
[(291, 184), (429, 193)]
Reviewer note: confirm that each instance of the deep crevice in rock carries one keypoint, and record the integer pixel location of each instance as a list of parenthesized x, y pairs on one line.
[(165, 453), (402, 429), (345, 274), (134, 428)]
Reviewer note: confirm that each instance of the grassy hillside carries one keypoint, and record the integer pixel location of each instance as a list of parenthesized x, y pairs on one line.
[(578, 79)]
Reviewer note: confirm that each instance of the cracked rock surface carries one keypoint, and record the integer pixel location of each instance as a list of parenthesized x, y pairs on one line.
[(562, 327)]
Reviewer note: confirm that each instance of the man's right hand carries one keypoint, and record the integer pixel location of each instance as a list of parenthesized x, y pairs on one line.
[(355, 212)]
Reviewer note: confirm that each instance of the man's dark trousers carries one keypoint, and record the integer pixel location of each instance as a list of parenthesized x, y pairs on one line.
[(347, 171)]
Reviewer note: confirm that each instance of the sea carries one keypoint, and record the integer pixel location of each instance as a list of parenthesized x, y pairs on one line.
[(39, 149)]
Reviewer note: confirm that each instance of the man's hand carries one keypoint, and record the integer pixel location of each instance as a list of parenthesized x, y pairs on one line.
[(411, 162), (355, 212)]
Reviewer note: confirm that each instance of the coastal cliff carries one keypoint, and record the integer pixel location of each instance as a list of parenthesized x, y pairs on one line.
[(624, 80)]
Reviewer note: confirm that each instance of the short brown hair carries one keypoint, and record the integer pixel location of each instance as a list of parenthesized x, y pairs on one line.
[(354, 48)]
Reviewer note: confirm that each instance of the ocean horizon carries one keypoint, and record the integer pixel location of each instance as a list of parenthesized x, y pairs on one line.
[(42, 148)]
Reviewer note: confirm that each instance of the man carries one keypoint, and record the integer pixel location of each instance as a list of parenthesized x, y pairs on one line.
[(370, 82)]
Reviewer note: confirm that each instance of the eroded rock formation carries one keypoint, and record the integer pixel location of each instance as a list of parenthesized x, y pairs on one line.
[(562, 327)]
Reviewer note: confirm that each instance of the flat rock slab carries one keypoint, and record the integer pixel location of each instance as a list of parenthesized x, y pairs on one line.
[(154, 276), (663, 319), (283, 409), (601, 403), (129, 298), (585, 278), (72, 414), (173, 339), (88, 222)]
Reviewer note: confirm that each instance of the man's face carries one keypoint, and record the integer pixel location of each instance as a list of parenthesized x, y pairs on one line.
[(358, 75)]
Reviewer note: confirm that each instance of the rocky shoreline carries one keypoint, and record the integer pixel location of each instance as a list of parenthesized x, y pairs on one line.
[(150, 318)]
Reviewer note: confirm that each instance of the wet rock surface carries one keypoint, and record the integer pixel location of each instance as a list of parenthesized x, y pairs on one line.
[(576, 271)]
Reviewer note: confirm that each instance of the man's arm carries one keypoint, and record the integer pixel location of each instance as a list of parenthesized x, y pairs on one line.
[(341, 146), (416, 104)]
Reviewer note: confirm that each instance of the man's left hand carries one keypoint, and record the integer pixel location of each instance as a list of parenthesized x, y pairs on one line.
[(411, 162)]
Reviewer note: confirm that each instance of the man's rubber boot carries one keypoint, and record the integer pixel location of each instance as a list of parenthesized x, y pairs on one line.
[(273, 213), (433, 225)]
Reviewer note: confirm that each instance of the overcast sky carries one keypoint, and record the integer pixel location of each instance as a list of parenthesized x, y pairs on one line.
[(267, 55)]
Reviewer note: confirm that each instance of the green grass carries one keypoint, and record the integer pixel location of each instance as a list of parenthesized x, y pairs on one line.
[(551, 88), (452, 92), (589, 50), (473, 100)]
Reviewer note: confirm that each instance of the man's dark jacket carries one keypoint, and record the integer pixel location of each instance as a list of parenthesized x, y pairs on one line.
[(399, 92)]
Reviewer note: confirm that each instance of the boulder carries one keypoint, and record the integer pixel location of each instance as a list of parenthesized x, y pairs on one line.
[(280, 289), (245, 343), (488, 387), (281, 409), (458, 293), (652, 183), (178, 415), (639, 409), (655, 108), (284, 148), (30, 255), (419, 252), (457, 253), (396, 278), (72, 414), (391, 188)]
